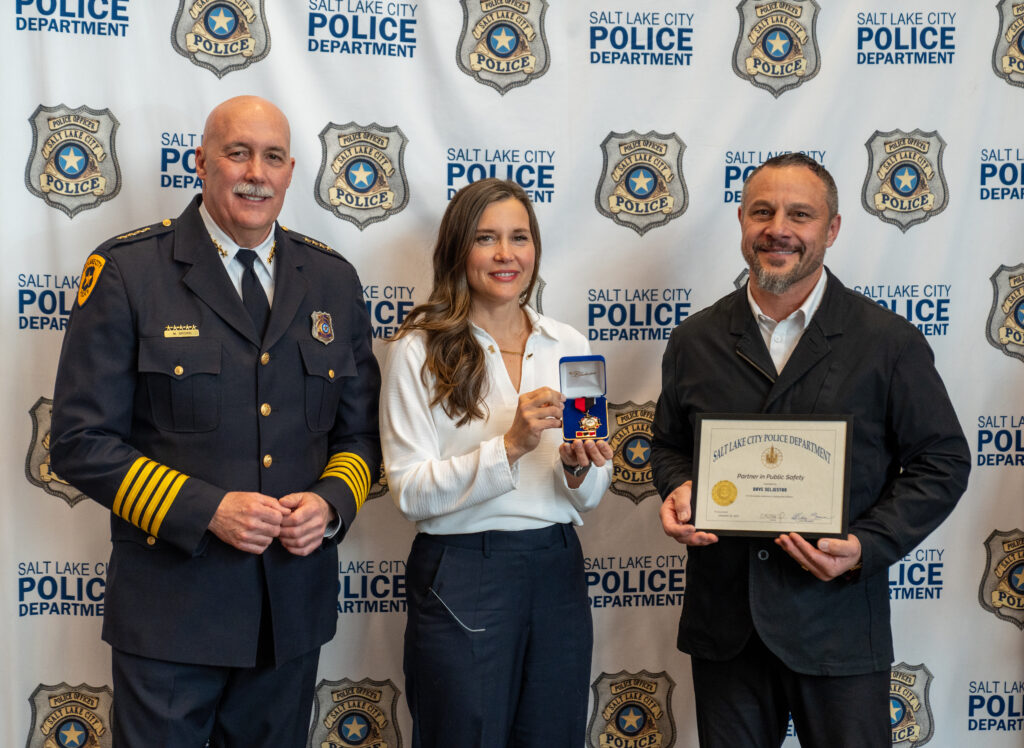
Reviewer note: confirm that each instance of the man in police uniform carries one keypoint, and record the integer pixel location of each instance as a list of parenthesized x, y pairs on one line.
[(224, 408), (780, 626)]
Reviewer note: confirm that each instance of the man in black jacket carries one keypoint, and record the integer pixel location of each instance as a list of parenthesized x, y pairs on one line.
[(779, 625), (217, 392)]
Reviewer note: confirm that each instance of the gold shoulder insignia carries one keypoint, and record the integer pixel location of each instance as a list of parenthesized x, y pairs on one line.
[(90, 275), (164, 225), (312, 242)]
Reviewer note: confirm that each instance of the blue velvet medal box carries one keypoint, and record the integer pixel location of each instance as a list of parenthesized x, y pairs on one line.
[(584, 382)]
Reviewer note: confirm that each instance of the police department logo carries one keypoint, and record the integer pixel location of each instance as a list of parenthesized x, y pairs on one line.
[(631, 444), (349, 714), (503, 44), (1006, 318), (1002, 585), (70, 717), (72, 164), (380, 486), (632, 709), (910, 707), (777, 46), (641, 183), (1008, 53), (221, 35), (905, 183), (362, 173), (37, 462)]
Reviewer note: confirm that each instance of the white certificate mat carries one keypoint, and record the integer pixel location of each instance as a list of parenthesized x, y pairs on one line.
[(767, 475)]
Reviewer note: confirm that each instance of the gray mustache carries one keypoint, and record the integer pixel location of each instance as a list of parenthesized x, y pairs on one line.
[(252, 190)]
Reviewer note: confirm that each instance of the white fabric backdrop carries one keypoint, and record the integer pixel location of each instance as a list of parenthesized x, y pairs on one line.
[(120, 55)]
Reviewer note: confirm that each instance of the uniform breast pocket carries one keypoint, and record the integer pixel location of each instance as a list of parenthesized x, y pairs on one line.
[(182, 378), (326, 366)]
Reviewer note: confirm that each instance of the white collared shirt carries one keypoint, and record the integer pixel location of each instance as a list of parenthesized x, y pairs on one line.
[(456, 479), (234, 266), (781, 337)]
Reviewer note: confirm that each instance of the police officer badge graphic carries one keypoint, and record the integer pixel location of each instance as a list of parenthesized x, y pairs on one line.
[(72, 164), (641, 184), (1008, 54), (905, 184), (632, 710), (910, 707), (777, 46), (1002, 584), (348, 714), (362, 172), (503, 44), (380, 486), (1006, 318), (221, 35), (631, 444), (70, 717), (37, 462)]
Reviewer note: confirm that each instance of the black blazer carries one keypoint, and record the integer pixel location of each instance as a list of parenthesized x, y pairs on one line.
[(158, 413), (910, 466)]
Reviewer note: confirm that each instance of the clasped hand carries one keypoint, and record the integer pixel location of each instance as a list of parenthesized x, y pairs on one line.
[(830, 558), (250, 521)]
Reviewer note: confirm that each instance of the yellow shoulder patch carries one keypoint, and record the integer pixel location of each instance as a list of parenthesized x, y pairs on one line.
[(90, 274)]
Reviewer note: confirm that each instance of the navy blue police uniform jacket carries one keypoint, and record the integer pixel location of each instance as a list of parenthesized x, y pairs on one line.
[(910, 464), (166, 399)]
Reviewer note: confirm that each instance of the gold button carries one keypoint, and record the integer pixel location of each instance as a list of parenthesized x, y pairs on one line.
[(150, 540), (265, 409), (267, 460), (166, 222), (265, 358), (179, 370), (330, 373)]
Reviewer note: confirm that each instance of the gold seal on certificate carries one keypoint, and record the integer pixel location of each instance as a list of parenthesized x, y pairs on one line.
[(770, 474), (724, 493)]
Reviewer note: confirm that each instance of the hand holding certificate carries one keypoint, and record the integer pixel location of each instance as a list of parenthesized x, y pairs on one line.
[(767, 475)]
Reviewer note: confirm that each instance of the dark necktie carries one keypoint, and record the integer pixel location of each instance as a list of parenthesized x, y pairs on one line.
[(254, 298)]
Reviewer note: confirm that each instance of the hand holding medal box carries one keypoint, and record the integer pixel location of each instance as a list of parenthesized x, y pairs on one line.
[(584, 382)]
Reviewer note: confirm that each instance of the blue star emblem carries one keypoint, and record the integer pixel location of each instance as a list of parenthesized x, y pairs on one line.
[(72, 734), (221, 21), (503, 40), (1017, 575), (638, 451), (905, 180), (354, 728), (777, 44), (631, 720), (361, 175), (71, 160), (896, 711), (641, 181)]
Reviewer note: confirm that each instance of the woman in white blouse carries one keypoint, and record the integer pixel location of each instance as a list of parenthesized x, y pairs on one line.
[(498, 638)]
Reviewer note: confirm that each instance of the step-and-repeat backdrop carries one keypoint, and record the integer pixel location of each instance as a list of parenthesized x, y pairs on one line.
[(632, 125)]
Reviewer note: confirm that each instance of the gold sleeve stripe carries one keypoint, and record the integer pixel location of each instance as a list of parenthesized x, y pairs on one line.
[(353, 470), (141, 480), (126, 483), (172, 494), (146, 494)]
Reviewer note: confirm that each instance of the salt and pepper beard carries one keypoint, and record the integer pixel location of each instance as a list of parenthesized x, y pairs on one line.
[(775, 283)]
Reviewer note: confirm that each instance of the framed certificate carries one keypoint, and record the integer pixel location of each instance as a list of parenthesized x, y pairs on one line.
[(764, 475)]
